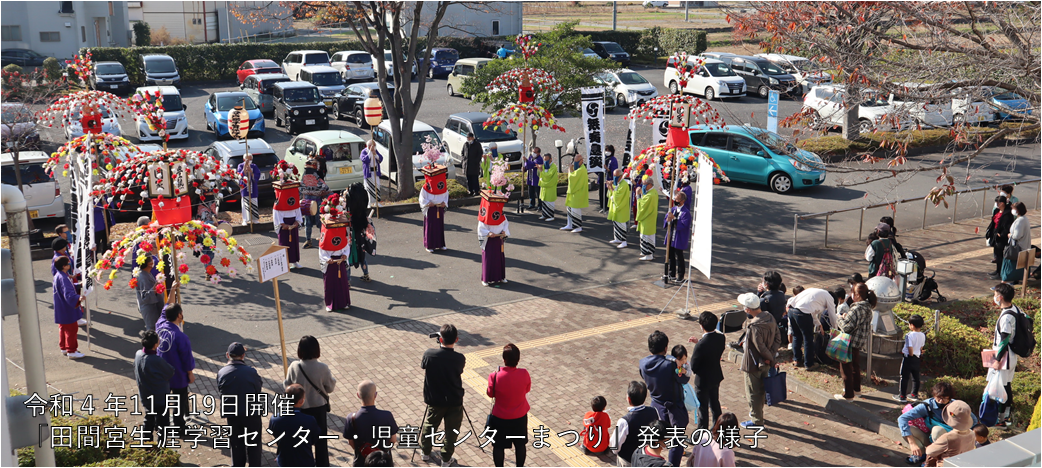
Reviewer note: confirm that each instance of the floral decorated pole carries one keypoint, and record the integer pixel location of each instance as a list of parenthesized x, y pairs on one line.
[(150, 107)]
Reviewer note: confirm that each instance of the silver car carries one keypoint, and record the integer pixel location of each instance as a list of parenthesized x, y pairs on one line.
[(259, 87)]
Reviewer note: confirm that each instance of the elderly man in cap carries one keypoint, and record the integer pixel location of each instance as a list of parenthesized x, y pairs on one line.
[(761, 341), (235, 381)]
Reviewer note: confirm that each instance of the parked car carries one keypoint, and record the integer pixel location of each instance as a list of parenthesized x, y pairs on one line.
[(758, 156), (442, 61), (420, 132), (351, 101), (970, 106), (160, 70), (231, 152), (389, 65), (655, 3), (712, 79), (464, 123), (298, 59), (255, 67), (806, 72), (74, 127), (762, 75), (717, 55), (260, 89), (588, 52), (173, 112), (929, 113), (461, 71), (22, 57), (341, 151), (1009, 105), (628, 86), (42, 194), (611, 50), (354, 65), (109, 76), (327, 79), (219, 107), (18, 126), (874, 112), (298, 105)]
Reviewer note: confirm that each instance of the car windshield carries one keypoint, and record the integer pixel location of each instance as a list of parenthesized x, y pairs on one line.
[(265, 64), (1008, 97), (302, 95), (338, 152), (631, 78), (874, 100), (161, 65), (260, 159), (770, 68), (773, 141), (16, 114), (171, 102), (487, 135), (326, 79), (315, 59), (588, 51), (446, 56), (612, 48), (720, 69), (268, 84), (359, 58), (388, 57), (787, 67), (110, 69), (419, 138), (226, 103)]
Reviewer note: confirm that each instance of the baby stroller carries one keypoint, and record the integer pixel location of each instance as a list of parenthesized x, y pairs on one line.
[(920, 286)]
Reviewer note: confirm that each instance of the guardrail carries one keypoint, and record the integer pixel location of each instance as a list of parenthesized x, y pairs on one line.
[(893, 208)]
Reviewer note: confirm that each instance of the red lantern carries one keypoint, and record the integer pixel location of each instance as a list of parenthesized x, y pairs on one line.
[(334, 236), (435, 179), (491, 210)]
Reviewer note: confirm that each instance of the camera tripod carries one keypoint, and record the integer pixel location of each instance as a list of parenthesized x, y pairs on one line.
[(422, 421)]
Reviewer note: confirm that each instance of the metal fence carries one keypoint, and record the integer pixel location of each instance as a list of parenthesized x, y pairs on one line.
[(894, 205)]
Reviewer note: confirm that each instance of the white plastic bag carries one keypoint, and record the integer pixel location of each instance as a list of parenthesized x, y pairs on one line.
[(995, 388)]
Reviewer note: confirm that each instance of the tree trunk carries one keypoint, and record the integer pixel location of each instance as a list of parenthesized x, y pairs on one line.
[(851, 130)]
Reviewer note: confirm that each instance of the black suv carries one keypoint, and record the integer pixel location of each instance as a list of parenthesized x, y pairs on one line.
[(762, 75), (351, 100), (111, 77), (298, 105), (611, 50)]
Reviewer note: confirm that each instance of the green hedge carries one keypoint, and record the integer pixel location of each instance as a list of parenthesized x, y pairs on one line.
[(101, 456), (1026, 390), (835, 147), (641, 44), (955, 351)]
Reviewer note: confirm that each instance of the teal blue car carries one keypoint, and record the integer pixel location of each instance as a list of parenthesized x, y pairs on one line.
[(758, 156)]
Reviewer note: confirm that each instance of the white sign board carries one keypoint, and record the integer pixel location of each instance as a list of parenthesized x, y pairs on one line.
[(593, 125), (702, 234), (273, 263)]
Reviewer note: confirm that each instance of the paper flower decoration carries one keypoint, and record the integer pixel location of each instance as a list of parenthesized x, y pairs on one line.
[(334, 208), (432, 151), (509, 81), (150, 107), (64, 109), (82, 65), (686, 66), (521, 115), (702, 114), (498, 182), (285, 172), (527, 46), (682, 161), (97, 153), (208, 176)]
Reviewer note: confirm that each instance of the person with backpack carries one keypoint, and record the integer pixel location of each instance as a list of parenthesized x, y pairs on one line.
[(880, 253), (1013, 337), (998, 233)]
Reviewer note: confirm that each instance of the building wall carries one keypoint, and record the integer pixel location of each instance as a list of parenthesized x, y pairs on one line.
[(90, 24), (201, 21), (476, 19)]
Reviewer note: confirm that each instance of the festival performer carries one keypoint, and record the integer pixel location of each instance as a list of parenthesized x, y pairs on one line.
[(493, 229), (618, 207), (434, 197), (371, 159), (334, 248), (361, 243), (547, 188), (578, 196), (250, 175), (647, 218), (287, 223), (531, 168), (680, 218)]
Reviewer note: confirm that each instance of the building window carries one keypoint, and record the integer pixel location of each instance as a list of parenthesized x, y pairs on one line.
[(110, 9), (11, 33), (83, 33), (65, 7), (495, 27), (50, 36)]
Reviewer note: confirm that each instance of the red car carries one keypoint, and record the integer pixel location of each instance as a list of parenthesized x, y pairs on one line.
[(251, 67)]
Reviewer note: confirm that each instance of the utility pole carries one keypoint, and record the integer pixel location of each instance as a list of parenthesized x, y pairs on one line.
[(686, 4), (614, 15)]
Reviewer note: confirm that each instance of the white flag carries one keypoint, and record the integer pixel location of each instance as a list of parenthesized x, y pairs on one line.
[(702, 234)]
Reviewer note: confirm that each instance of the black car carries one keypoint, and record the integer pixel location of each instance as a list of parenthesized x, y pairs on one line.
[(22, 57), (762, 75), (299, 105), (351, 100), (611, 50), (111, 77)]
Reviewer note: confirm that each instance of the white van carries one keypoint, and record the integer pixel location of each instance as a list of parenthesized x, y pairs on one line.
[(420, 132), (173, 112), (298, 59), (713, 78), (354, 65), (42, 194)]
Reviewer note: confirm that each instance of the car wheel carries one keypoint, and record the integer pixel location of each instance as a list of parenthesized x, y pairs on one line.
[(278, 121), (710, 93), (763, 91), (289, 127), (864, 126), (430, 73), (817, 123), (780, 182), (620, 100), (360, 118), (336, 110), (958, 119), (673, 88), (448, 88)]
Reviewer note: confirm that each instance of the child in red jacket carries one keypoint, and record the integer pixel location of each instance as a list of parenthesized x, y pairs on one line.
[(596, 427)]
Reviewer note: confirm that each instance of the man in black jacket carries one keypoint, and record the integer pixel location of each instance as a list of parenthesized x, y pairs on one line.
[(443, 394), (705, 364), (998, 232), (626, 436), (235, 381), (471, 156)]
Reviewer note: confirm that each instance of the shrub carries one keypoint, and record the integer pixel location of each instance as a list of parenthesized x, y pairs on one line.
[(101, 456), (52, 68), (160, 38), (688, 40), (954, 351), (1026, 390), (13, 68), (142, 34)]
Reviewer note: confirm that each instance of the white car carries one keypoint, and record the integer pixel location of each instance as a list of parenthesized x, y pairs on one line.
[(932, 113), (807, 74), (972, 107), (627, 86), (389, 65), (354, 65), (298, 59), (713, 79), (420, 132), (460, 125), (655, 3), (74, 127), (173, 112), (42, 194), (874, 112)]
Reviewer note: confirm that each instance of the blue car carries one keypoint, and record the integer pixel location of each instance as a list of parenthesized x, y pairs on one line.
[(220, 104), (758, 156), (1005, 102), (442, 61)]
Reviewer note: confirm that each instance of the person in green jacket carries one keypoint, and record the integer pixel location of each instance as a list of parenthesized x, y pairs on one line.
[(578, 195), (647, 218), (547, 187), (618, 206)]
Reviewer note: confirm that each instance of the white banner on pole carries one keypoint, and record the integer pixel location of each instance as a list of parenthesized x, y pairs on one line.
[(660, 130), (592, 103), (702, 234), (627, 154)]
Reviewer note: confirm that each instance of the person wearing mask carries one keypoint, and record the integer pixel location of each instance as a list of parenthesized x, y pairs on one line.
[(857, 323), (547, 188), (647, 218), (360, 242), (705, 365), (715, 453), (149, 302), (318, 383), (371, 160), (60, 247), (761, 344), (250, 175), (531, 168), (805, 311), (312, 189), (1019, 234), (67, 311), (1005, 329), (471, 155), (152, 374), (931, 411), (235, 381), (618, 190), (292, 451), (508, 387), (998, 233), (664, 380), (362, 428), (443, 393), (680, 240), (176, 349), (578, 196), (611, 163)]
